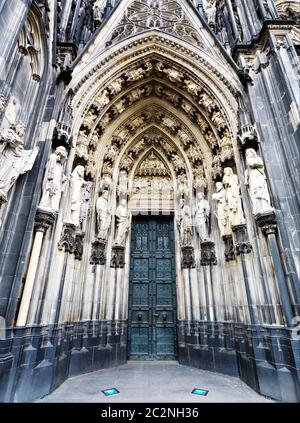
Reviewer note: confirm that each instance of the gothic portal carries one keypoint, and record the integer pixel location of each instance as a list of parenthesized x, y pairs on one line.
[(149, 153)]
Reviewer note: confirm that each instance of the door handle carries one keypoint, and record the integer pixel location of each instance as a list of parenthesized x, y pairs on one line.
[(140, 317), (164, 316), (156, 315)]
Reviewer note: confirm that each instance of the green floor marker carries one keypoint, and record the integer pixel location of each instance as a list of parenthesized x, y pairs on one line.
[(110, 391), (202, 392)]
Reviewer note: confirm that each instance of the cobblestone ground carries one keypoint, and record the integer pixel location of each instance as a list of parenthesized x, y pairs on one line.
[(153, 382)]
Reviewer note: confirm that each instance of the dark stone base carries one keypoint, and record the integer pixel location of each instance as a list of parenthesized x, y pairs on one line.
[(266, 358), (41, 359), (36, 360)]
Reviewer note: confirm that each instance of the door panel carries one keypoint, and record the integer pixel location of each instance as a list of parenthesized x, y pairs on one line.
[(152, 293)]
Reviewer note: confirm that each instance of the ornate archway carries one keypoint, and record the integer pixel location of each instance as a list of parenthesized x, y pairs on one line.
[(155, 120)]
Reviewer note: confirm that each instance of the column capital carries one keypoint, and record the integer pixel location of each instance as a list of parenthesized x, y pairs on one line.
[(43, 220), (98, 253), (242, 244), (188, 257), (67, 240), (208, 253), (267, 222), (118, 256), (78, 245), (229, 250)]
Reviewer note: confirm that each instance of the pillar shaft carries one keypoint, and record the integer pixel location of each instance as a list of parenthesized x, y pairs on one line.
[(29, 283), (286, 303)]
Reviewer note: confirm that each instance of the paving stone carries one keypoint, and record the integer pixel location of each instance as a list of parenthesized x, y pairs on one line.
[(153, 382)]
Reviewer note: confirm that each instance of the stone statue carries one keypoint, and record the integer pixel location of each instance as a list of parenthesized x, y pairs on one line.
[(123, 183), (103, 216), (177, 162), (182, 184), (255, 180), (53, 180), (202, 217), (82, 144), (84, 206), (185, 224), (14, 159), (123, 222), (115, 87), (111, 153), (221, 209), (103, 99), (234, 203), (75, 196), (98, 10), (200, 181), (210, 10)]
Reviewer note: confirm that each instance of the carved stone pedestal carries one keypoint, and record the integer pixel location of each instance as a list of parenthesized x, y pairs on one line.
[(44, 219), (67, 240), (118, 256), (208, 253), (98, 253), (229, 249), (242, 244), (188, 257), (267, 222), (247, 136), (78, 249)]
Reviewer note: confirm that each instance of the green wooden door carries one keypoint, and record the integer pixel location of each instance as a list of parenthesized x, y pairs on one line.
[(152, 292)]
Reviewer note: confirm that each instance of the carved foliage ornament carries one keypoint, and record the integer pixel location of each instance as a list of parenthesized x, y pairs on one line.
[(188, 257)]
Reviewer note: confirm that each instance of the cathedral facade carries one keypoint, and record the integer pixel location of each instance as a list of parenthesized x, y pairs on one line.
[(149, 190)]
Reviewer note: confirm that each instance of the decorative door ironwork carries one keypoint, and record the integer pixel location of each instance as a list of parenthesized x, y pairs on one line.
[(152, 293)]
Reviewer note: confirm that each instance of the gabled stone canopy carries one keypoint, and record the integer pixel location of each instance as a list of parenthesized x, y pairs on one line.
[(134, 18)]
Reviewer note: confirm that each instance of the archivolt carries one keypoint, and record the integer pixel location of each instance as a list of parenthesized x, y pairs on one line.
[(155, 86)]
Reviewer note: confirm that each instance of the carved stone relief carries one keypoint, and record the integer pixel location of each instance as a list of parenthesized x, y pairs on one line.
[(163, 15), (14, 159), (200, 181), (226, 146)]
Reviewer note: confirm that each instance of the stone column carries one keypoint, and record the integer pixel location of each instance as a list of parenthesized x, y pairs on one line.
[(97, 291), (187, 262), (232, 18), (195, 295), (268, 224), (242, 247), (118, 299), (43, 220), (187, 294), (262, 9), (118, 263)]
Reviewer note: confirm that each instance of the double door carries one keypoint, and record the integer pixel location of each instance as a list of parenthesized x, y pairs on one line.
[(152, 290)]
